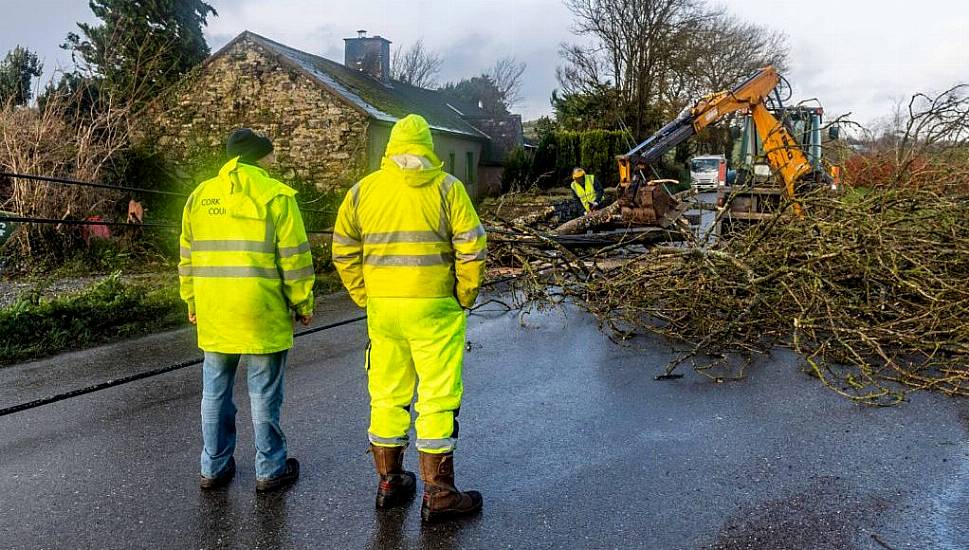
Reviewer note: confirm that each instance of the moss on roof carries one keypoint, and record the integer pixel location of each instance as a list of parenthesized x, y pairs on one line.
[(382, 101)]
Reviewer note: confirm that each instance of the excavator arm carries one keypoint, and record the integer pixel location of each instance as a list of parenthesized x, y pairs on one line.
[(783, 152)]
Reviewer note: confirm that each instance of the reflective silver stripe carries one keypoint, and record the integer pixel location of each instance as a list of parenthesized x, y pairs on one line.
[(447, 184), (287, 251), (185, 252), (235, 271), (393, 441), (355, 194), (297, 274), (347, 258), (446, 444), (473, 257), (403, 237), (185, 270), (406, 161), (469, 236), (345, 240), (444, 224), (233, 246), (408, 260)]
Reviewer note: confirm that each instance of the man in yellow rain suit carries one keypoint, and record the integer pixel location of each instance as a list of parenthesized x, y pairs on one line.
[(411, 249), (245, 263)]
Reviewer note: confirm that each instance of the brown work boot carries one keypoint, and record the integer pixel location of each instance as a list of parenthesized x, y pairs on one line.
[(442, 500), (396, 485), (220, 480), (288, 477)]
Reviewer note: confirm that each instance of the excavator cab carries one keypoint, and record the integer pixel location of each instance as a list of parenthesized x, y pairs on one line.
[(753, 190), (748, 159)]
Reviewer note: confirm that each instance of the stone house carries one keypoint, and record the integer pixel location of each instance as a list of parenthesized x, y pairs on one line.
[(329, 121)]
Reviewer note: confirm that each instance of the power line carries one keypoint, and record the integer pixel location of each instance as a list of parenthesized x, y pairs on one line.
[(54, 221), (81, 183), (70, 181)]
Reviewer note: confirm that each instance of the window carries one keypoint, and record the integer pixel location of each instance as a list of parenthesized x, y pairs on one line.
[(470, 162), (450, 164)]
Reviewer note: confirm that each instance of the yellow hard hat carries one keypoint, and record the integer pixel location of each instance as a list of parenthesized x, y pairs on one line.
[(578, 173)]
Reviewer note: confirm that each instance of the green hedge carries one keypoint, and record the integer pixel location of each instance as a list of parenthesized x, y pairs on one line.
[(594, 150)]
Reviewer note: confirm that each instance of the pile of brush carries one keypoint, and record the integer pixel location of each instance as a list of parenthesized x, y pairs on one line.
[(871, 289)]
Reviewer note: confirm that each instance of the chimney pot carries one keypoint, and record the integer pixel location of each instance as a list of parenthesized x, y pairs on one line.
[(362, 33)]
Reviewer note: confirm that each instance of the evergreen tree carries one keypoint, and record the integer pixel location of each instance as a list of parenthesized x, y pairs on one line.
[(141, 47), (17, 72), (480, 91)]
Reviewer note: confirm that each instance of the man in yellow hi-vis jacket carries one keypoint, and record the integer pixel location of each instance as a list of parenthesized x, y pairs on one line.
[(245, 263), (411, 249), (586, 189)]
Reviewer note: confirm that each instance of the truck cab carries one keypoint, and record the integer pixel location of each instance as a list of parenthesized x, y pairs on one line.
[(708, 172)]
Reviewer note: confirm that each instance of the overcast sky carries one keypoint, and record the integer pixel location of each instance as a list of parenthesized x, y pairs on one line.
[(858, 56)]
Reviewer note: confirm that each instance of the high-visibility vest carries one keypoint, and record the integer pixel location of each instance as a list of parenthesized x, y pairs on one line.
[(245, 261), (587, 192), (409, 230)]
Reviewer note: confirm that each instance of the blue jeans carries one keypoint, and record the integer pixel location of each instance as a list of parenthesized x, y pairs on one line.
[(265, 380)]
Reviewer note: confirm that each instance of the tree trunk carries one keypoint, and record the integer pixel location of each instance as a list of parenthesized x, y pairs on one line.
[(590, 221)]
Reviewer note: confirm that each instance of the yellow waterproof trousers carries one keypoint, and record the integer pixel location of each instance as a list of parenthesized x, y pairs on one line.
[(415, 342)]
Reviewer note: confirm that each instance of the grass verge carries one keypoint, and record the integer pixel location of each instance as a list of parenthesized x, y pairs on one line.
[(111, 309)]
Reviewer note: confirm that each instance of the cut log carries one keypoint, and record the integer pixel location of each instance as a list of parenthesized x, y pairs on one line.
[(590, 221)]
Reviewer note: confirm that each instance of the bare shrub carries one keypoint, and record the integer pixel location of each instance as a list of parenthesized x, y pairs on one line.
[(924, 144), (49, 142)]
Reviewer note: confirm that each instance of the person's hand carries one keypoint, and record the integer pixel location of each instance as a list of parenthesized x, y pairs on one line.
[(305, 319), (192, 319)]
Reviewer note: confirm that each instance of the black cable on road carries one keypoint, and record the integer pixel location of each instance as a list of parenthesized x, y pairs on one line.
[(155, 372), (96, 387), (185, 364), (321, 328), (142, 375)]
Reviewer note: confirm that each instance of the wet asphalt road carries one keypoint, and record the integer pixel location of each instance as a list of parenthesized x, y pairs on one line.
[(570, 439)]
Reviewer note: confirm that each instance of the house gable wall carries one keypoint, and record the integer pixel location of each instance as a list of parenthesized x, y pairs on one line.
[(320, 139)]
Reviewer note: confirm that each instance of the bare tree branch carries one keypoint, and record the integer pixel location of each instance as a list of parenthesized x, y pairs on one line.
[(416, 65), (507, 74)]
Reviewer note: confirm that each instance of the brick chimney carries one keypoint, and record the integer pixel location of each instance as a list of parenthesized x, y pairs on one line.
[(369, 54)]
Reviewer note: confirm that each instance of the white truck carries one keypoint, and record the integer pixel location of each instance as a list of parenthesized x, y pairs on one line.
[(708, 172)]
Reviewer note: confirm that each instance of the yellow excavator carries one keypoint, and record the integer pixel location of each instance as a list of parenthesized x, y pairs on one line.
[(645, 202)]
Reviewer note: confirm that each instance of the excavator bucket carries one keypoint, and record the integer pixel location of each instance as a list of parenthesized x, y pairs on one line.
[(648, 204)]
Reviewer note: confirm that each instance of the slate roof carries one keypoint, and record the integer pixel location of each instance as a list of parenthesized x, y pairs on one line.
[(387, 102)]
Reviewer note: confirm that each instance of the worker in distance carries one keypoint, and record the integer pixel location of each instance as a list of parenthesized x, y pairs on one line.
[(586, 189)]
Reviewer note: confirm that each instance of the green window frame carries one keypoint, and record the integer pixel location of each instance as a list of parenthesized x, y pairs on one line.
[(469, 158), (450, 164)]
